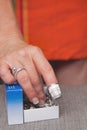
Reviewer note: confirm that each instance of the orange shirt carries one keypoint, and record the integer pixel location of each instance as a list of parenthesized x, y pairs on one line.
[(58, 27)]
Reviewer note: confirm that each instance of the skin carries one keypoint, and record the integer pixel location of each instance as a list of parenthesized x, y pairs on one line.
[(15, 52)]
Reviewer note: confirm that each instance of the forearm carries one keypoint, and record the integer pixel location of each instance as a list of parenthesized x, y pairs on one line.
[(8, 24)]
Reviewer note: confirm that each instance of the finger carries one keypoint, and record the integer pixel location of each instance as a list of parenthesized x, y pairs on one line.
[(23, 79), (44, 68), (34, 78), (5, 73), (48, 74)]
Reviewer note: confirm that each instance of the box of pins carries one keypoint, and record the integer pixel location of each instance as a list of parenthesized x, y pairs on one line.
[(20, 110)]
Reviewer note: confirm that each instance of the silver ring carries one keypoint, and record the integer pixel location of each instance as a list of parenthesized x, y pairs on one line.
[(15, 71)]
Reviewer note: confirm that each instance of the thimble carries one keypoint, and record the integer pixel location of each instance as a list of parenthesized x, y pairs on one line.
[(54, 91)]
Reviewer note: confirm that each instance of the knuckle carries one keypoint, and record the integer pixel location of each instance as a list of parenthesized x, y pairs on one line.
[(36, 49), (36, 82), (48, 69), (39, 89), (23, 52)]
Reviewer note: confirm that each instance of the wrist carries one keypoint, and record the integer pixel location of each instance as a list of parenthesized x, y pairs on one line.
[(9, 33)]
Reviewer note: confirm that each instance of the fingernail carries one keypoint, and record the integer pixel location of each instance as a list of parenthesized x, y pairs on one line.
[(35, 100), (54, 91)]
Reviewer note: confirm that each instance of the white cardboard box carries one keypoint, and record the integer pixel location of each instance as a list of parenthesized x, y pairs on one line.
[(15, 112), (39, 114)]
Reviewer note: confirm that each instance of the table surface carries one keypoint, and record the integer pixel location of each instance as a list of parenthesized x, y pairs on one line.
[(73, 112)]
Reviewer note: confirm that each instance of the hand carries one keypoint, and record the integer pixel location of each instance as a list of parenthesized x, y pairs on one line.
[(19, 54)]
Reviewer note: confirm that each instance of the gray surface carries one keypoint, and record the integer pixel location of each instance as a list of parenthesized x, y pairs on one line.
[(73, 112)]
